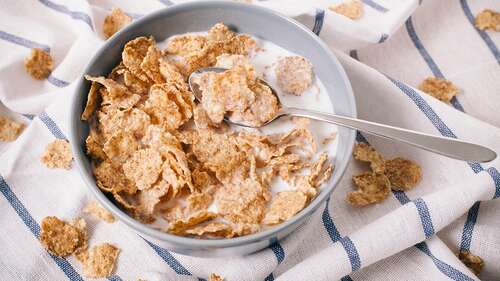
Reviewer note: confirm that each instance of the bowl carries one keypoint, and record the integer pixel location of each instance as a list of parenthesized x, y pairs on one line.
[(243, 18)]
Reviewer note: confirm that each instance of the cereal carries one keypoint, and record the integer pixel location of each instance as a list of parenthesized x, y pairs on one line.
[(115, 21), (143, 168), (134, 120), (114, 89), (294, 74), (372, 188), (215, 277), (364, 152), (475, 263), (185, 44), (441, 89), (134, 53), (488, 20), (99, 261), (111, 178), (160, 154), (242, 201), (94, 147), (284, 206), (9, 129), (63, 239), (149, 198), (218, 151), (178, 226), (92, 101), (402, 173), (97, 210), (168, 106), (212, 229), (198, 202), (352, 9), (151, 64), (39, 64), (120, 146), (57, 155)]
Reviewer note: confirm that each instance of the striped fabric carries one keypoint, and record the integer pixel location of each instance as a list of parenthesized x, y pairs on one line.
[(412, 235)]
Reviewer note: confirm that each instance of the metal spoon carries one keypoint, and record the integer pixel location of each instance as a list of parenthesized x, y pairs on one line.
[(450, 147)]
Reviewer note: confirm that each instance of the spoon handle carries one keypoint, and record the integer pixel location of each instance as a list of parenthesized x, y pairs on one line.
[(450, 147)]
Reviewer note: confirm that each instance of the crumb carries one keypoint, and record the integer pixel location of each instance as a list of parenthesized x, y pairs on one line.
[(475, 263), (372, 188), (61, 238), (98, 211), (214, 276), (9, 129), (57, 155), (439, 88), (403, 174), (352, 9), (488, 20), (366, 153), (294, 74), (115, 21), (99, 261), (39, 64)]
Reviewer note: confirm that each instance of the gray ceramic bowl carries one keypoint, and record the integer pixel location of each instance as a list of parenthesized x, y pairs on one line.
[(200, 16)]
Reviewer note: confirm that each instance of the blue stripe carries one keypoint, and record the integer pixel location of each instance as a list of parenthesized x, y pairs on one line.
[(57, 82), (22, 41), (445, 268), (270, 277), (421, 49), (425, 217), (346, 278), (63, 9), (318, 21), (352, 253), (278, 252), (114, 278), (425, 108), (354, 54), (34, 227), (167, 2), (29, 116), (495, 175), (376, 6), (402, 197), (383, 37), (169, 259), (51, 125), (469, 226), (428, 59), (329, 225), (332, 230), (360, 138), (486, 38)]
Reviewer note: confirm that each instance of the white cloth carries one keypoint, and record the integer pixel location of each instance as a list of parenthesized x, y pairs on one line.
[(410, 236)]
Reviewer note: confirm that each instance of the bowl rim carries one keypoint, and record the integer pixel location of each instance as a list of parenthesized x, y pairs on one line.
[(145, 229)]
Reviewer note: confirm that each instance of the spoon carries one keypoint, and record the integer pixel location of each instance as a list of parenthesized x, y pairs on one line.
[(450, 147)]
